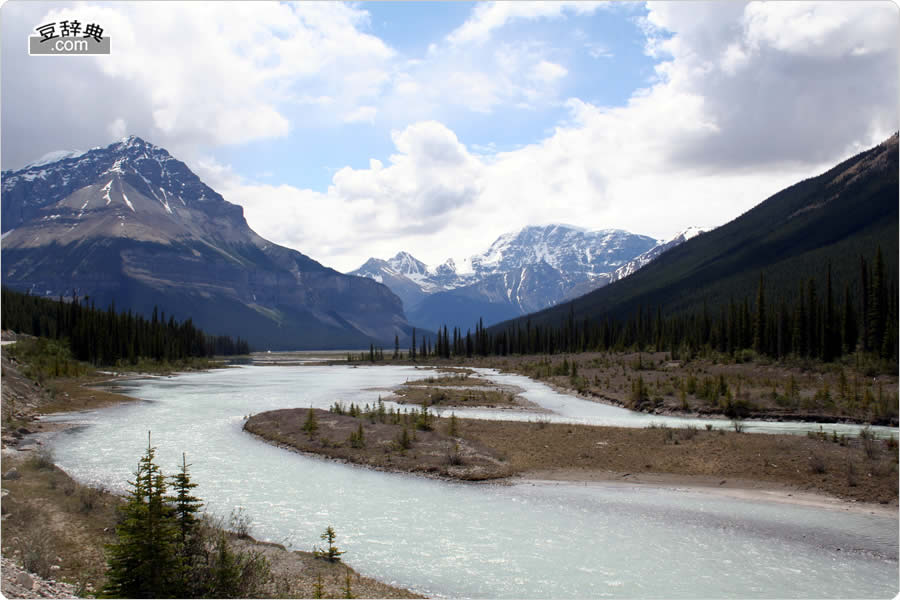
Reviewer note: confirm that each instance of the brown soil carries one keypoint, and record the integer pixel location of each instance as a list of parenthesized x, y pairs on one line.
[(431, 452), (859, 470), (767, 460)]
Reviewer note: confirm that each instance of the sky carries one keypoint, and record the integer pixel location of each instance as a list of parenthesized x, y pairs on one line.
[(352, 130)]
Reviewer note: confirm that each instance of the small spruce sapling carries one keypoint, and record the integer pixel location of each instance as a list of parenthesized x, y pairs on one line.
[(331, 554), (311, 425)]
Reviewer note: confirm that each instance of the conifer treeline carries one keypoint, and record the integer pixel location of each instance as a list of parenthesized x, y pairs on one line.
[(822, 324), (104, 337)]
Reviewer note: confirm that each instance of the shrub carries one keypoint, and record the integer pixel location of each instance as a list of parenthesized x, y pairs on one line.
[(357, 438), (817, 464), (870, 446), (36, 547), (403, 440), (453, 426), (852, 475), (240, 523), (454, 458), (41, 459)]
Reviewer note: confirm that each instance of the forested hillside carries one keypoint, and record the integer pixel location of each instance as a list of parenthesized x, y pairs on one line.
[(104, 337)]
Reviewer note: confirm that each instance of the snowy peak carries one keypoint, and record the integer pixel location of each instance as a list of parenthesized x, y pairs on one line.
[(575, 252), (525, 270), (131, 174), (407, 264), (55, 156)]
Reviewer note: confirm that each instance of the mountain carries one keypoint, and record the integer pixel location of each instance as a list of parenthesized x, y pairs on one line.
[(793, 236), (130, 224), (522, 271), (634, 264)]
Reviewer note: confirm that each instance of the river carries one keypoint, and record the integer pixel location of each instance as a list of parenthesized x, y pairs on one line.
[(526, 540)]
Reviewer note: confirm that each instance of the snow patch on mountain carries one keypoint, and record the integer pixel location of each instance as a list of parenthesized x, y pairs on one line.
[(52, 157)]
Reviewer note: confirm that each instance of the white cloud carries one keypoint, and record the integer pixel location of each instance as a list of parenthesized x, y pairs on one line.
[(488, 16), (548, 72), (747, 99), (363, 114), (741, 108), (118, 128), (191, 74), (781, 82)]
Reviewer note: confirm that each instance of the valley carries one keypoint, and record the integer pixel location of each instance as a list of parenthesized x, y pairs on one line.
[(486, 300), (350, 496)]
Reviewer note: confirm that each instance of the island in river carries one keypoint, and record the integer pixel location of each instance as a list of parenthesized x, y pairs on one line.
[(856, 469)]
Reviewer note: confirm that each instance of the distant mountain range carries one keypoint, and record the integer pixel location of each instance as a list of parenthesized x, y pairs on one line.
[(522, 272), (130, 224), (796, 235)]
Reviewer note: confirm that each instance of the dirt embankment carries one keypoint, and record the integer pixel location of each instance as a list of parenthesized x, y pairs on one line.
[(406, 443), (56, 528), (853, 469)]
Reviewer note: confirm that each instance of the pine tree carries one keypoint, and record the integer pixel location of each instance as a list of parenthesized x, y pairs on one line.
[(759, 321), (311, 425), (186, 505), (143, 563), (331, 553)]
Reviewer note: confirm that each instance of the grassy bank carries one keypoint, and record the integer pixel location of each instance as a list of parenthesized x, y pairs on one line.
[(744, 386), (854, 469)]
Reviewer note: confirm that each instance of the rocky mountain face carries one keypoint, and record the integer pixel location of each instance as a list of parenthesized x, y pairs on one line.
[(521, 272), (131, 224), (634, 264)]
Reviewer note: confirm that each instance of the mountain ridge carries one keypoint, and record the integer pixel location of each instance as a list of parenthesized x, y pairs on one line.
[(130, 223)]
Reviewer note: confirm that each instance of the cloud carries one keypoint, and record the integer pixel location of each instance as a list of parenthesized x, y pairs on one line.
[(740, 108), (548, 72), (199, 76), (489, 16), (363, 114), (780, 82), (745, 99), (427, 183)]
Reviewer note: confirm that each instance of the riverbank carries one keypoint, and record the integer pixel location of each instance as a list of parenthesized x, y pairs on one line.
[(56, 529), (855, 470), (745, 386)]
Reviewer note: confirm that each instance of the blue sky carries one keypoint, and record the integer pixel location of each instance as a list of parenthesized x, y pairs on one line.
[(349, 130), (603, 53)]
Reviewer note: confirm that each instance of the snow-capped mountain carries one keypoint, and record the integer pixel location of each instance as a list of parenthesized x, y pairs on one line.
[(651, 254), (574, 252), (522, 271), (130, 223), (634, 264)]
